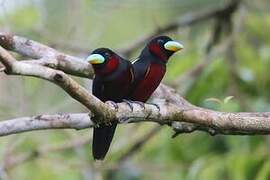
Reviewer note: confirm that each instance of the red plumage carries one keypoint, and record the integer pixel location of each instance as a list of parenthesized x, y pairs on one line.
[(150, 68), (149, 83)]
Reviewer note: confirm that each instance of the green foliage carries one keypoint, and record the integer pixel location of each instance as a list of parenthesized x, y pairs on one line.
[(23, 19)]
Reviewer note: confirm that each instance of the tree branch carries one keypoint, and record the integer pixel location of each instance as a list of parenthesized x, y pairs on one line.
[(100, 110), (174, 110), (206, 120), (46, 56), (58, 121), (185, 20)]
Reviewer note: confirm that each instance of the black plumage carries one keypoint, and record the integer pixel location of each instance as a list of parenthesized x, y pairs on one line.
[(112, 82)]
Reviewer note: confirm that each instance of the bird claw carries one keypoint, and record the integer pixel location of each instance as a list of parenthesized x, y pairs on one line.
[(155, 106), (141, 104), (129, 103), (113, 104)]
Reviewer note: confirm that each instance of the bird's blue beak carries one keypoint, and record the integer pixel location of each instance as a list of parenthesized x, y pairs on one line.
[(95, 59), (173, 46)]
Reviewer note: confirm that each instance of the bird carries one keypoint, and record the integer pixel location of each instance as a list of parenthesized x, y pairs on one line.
[(150, 67), (112, 82)]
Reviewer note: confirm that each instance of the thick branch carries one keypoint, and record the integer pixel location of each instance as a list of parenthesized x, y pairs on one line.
[(58, 121), (46, 55), (209, 121), (100, 110), (76, 66)]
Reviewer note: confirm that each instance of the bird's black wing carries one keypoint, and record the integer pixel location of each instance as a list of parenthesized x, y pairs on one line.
[(140, 69), (102, 135), (98, 88)]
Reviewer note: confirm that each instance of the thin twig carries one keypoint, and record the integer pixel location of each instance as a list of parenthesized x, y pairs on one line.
[(13, 161), (185, 20), (139, 143)]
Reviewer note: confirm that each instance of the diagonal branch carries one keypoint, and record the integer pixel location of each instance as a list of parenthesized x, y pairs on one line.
[(100, 110), (138, 144), (76, 66), (46, 56), (185, 20), (13, 160)]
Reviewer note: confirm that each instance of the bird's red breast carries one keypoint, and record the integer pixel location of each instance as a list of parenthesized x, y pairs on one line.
[(150, 82)]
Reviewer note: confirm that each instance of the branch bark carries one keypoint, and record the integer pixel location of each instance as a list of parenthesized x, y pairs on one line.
[(57, 121), (45, 55), (213, 122), (13, 67)]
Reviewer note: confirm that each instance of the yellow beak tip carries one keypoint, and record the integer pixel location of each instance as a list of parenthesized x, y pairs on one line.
[(95, 59), (173, 46)]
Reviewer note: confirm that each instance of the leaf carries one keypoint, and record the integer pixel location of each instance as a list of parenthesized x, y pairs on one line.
[(214, 100), (227, 99)]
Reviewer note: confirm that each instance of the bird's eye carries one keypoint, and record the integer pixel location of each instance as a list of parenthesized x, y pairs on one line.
[(160, 41), (107, 54)]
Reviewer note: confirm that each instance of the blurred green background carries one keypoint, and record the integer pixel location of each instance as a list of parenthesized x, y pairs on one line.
[(234, 57)]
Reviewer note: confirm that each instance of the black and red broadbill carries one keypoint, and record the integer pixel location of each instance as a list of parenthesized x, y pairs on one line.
[(150, 67), (116, 79), (112, 82)]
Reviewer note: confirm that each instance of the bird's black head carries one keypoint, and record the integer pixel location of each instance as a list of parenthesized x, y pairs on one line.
[(163, 47), (104, 61)]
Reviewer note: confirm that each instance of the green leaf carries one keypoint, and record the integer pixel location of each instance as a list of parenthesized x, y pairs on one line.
[(214, 100), (227, 99)]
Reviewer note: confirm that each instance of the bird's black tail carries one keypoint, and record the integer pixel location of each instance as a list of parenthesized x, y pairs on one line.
[(102, 138)]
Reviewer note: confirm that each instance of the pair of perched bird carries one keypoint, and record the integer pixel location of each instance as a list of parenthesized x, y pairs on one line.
[(117, 79)]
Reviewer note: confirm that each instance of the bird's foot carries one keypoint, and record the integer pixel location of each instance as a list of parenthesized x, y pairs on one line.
[(157, 106), (113, 104), (141, 104), (129, 103)]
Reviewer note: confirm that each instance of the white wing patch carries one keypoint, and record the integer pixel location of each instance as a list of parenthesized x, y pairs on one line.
[(134, 61)]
